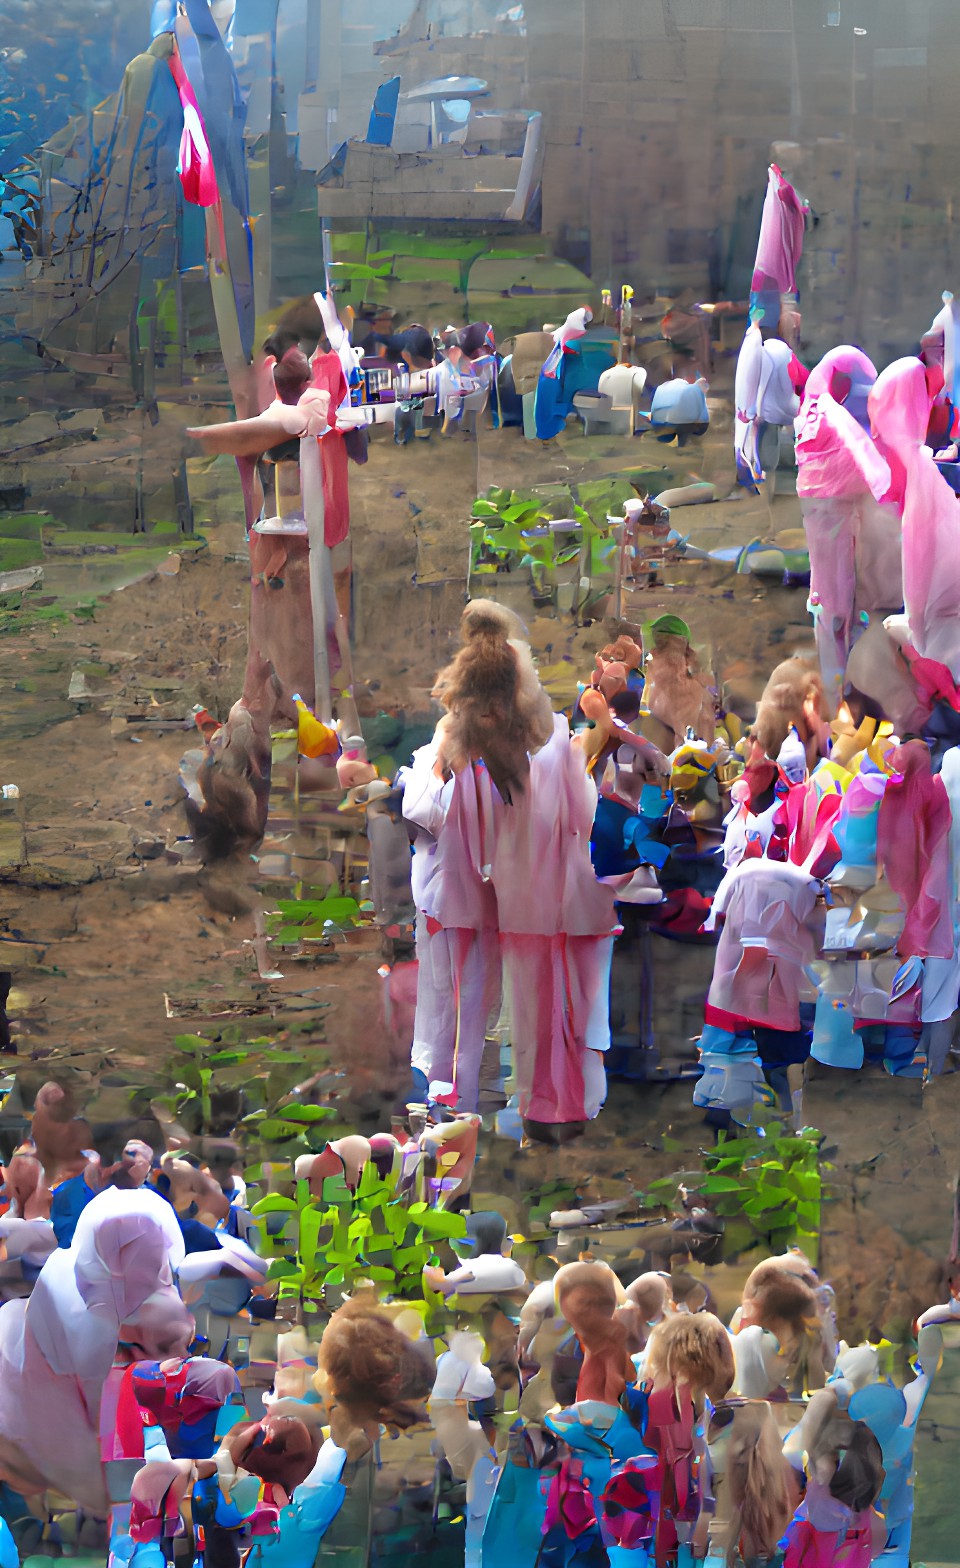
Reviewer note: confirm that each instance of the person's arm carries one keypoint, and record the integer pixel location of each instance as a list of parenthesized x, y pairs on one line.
[(426, 798)]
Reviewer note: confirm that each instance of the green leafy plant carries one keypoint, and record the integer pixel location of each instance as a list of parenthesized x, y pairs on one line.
[(209, 1078), (511, 532), (321, 1249), (765, 1184), (296, 919)]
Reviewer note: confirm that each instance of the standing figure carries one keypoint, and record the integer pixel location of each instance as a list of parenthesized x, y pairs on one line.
[(513, 855), (853, 539)]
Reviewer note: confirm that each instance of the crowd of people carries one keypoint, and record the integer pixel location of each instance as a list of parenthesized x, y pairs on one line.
[(154, 1375)]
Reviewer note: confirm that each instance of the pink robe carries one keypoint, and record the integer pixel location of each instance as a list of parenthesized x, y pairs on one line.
[(913, 846), (841, 478), (556, 933), (899, 413)]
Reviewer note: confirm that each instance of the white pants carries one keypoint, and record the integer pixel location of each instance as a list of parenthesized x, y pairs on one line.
[(458, 984)]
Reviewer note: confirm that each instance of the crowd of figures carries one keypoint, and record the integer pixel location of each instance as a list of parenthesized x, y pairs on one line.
[(153, 1377)]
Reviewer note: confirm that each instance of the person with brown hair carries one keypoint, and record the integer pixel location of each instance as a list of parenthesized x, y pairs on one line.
[(778, 1340), (752, 1495), (370, 1374), (688, 1360)]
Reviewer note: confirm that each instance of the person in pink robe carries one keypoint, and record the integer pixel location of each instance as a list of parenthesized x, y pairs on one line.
[(557, 924), (854, 542)]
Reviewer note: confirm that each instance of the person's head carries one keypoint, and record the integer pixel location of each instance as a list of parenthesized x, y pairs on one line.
[(778, 1299), (370, 1374), (650, 1294), (486, 1233), (692, 1349), (587, 1295)]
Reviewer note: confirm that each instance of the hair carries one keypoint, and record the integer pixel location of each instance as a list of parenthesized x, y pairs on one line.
[(285, 1456), (760, 1507), (692, 1348), (845, 1448), (787, 1306), (792, 684), (371, 1366), (497, 710)]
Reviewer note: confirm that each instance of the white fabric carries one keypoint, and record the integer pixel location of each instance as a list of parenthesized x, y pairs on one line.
[(759, 1366)]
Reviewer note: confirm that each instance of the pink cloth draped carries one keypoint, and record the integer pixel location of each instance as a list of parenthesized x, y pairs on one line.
[(840, 477), (899, 412), (195, 166), (808, 819), (913, 838), (780, 244), (328, 375), (770, 934), (556, 922), (838, 371), (541, 868), (835, 456)]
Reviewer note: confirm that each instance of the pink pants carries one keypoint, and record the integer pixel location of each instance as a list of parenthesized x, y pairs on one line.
[(558, 988)]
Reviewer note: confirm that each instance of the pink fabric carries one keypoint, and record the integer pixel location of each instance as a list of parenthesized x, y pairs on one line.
[(541, 867), (195, 166), (837, 370), (899, 413), (913, 846), (840, 471), (835, 456), (933, 681), (781, 236), (770, 933), (328, 375), (809, 819), (552, 983)]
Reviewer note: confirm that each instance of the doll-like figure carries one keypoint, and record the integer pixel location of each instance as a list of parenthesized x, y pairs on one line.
[(688, 1359), (588, 1297), (488, 1268), (838, 1520), (462, 1379), (778, 1344), (793, 699), (677, 690)]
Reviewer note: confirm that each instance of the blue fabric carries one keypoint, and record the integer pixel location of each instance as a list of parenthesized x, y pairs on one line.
[(383, 115), (622, 839), (68, 1203)]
